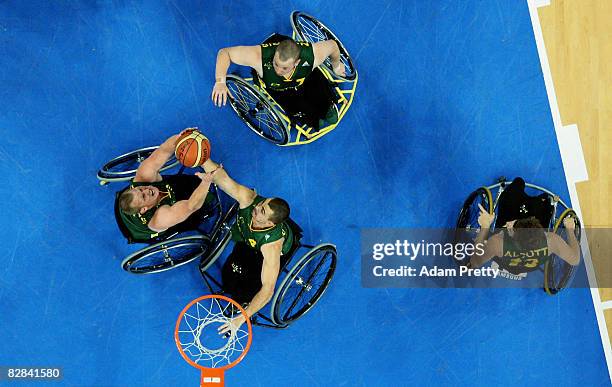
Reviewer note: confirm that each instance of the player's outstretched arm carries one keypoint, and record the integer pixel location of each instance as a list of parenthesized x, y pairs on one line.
[(328, 48), (240, 55), (168, 216), (148, 171), (243, 195), (269, 274)]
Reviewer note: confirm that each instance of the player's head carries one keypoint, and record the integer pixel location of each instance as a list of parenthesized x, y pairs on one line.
[(286, 57), (138, 199), (270, 212), (527, 232)]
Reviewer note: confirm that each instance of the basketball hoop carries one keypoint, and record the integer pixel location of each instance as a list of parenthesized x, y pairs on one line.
[(201, 345)]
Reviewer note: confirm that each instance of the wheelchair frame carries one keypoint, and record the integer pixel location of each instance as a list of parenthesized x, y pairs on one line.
[(554, 226), (343, 89)]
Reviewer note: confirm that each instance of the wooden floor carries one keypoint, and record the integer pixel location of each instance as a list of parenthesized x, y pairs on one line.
[(578, 39)]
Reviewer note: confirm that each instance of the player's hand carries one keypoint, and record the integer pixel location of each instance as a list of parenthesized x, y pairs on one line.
[(339, 69), (485, 219), (219, 94), (232, 326), (569, 223), (208, 177)]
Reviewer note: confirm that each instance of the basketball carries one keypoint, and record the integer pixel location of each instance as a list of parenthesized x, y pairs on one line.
[(192, 148)]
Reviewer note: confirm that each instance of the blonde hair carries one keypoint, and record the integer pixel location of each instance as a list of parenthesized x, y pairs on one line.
[(125, 203), (288, 49)]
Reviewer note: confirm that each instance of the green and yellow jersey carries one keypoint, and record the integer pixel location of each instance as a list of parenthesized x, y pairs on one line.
[(520, 260), (137, 224), (172, 188), (242, 230), (299, 74)]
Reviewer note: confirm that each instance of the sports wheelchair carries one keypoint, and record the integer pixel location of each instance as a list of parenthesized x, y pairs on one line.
[(301, 282), (530, 200), (204, 235), (262, 114)]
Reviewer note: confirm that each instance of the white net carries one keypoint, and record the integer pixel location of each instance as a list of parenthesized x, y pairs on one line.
[(198, 334)]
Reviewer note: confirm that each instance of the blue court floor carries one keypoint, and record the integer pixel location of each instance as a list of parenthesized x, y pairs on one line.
[(450, 96)]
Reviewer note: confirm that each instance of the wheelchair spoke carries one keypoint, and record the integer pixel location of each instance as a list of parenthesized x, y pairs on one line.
[(256, 109), (171, 253), (311, 30), (314, 31), (302, 291), (270, 123), (246, 100), (306, 286), (253, 110)]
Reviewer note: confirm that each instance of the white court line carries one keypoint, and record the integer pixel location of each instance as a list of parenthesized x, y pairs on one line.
[(571, 173), (541, 3), (606, 305), (571, 154)]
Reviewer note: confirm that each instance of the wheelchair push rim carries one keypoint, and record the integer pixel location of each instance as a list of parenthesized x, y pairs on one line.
[(558, 273), (304, 285), (470, 211), (166, 255), (467, 222), (123, 168), (308, 28), (256, 111)]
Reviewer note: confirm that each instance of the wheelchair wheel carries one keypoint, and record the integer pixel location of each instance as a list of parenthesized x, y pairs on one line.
[(220, 238), (468, 216), (124, 167), (256, 110), (166, 255), (304, 284), (308, 28), (557, 272)]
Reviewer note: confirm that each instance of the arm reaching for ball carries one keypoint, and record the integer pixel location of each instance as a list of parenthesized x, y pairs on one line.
[(148, 171), (168, 216)]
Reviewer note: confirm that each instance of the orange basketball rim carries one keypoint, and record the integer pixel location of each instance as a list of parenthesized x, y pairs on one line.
[(199, 343)]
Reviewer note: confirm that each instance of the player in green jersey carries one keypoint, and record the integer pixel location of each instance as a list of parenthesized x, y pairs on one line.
[(261, 237), (287, 69), (152, 204), (523, 245)]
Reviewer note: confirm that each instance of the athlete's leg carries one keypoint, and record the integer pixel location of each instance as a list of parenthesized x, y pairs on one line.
[(289, 100), (241, 273), (319, 98), (309, 103)]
